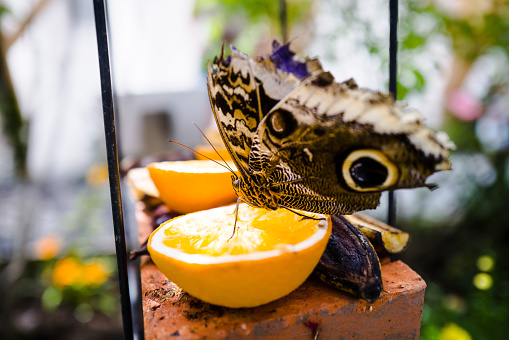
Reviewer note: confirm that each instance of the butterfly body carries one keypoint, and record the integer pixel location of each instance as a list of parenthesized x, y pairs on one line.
[(302, 141)]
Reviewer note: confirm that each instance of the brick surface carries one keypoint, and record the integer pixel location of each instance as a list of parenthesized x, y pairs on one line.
[(312, 309)]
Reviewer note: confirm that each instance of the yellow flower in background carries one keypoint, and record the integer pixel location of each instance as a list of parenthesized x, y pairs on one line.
[(95, 273), (97, 174), (47, 247), (70, 272), (67, 272), (485, 263), (452, 331), (483, 281)]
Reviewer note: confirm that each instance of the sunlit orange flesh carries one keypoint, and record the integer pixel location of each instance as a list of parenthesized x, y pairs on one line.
[(256, 231)]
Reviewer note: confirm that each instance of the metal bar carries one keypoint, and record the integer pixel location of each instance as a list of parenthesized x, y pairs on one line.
[(113, 168), (116, 114), (130, 226), (393, 66), (133, 266), (393, 45)]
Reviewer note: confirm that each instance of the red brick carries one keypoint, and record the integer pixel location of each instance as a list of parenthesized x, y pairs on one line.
[(314, 305)]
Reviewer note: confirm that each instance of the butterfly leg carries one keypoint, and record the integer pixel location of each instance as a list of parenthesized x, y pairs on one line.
[(236, 218), (303, 216)]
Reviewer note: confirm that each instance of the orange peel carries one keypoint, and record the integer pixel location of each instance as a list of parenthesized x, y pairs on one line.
[(270, 254), (188, 186)]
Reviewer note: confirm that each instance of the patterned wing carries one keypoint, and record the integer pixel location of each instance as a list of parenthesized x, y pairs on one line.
[(234, 100), (242, 91), (303, 141), (333, 147)]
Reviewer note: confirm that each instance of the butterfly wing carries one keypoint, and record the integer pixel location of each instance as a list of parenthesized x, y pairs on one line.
[(234, 100), (333, 148), (243, 90), (303, 141)]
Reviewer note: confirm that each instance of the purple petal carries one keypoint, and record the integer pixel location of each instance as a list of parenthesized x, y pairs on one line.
[(282, 56)]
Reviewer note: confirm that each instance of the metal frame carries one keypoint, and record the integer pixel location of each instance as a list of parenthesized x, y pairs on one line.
[(112, 150), (393, 63), (113, 168)]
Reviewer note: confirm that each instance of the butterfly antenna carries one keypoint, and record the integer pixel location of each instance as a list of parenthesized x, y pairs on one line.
[(226, 163), (210, 159)]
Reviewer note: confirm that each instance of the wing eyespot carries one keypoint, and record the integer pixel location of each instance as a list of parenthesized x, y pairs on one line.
[(281, 123), (369, 170)]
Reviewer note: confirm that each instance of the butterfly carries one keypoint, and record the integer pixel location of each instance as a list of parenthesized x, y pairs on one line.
[(301, 140)]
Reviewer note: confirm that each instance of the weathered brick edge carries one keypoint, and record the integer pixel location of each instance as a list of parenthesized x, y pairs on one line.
[(314, 307)]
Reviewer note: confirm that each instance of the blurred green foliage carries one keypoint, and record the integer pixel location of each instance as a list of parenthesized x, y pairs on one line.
[(62, 282), (14, 127), (447, 254)]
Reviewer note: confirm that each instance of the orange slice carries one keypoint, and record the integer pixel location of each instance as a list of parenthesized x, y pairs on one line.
[(271, 253), (188, 186), (140, 183), (208, 152)]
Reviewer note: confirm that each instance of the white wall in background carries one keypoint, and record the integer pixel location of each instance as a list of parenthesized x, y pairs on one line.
[(55, 73), (155, 46)]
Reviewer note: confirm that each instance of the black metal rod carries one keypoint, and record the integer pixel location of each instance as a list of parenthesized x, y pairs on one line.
[(113, 168), (393, 66), (114, 94)]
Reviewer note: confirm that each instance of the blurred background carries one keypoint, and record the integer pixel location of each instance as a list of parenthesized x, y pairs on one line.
[(58, 271)]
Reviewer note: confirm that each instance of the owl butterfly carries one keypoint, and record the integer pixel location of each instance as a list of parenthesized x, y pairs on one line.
[(302, 141)]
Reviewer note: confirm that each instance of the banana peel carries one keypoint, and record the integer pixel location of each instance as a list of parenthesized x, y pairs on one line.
[(350, 262), (385, 239)]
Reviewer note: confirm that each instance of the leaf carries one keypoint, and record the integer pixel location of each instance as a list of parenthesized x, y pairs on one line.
[(51, 298), (401, 90), (413, 41), (374, 50), (420, 81)]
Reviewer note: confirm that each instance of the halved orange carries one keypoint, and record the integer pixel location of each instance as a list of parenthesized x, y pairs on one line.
[(270, 254), (208, 152), (188, 186), (214, 147), (140, 183)]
